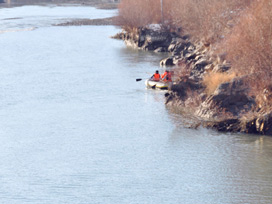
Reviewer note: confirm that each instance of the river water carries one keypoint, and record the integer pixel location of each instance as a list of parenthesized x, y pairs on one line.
[(76, 128)]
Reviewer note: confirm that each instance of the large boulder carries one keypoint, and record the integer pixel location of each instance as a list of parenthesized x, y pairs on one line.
[(179, 90), (151, 40), (230, 99), (198, 67)]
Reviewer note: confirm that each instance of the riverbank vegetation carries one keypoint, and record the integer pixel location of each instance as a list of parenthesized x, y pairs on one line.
[(201, 19), (249, 47), (225, 57)]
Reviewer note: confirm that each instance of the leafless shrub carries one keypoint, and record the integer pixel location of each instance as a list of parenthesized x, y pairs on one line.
[(208, 19), (249, 49), (138, 13), (249, 46)]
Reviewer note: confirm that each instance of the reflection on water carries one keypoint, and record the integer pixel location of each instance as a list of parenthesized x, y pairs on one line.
[(135, 56), (75, 127)]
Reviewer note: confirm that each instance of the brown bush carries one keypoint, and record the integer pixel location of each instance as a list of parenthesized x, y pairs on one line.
[(138, 13), (212, 80), (207, 19), (249, 49), (249, 46)]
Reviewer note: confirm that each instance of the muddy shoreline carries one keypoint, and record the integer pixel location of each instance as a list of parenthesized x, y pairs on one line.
[(99, 4), (84, 22)]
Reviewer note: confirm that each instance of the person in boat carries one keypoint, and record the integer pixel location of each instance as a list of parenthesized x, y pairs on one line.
[(166, 76), (156, 76)]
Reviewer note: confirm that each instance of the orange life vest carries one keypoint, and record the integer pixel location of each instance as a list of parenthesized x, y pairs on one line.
[(166, 76), (156, 77)]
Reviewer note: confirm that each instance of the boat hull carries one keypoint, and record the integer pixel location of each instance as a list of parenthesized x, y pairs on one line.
[(157, 84)]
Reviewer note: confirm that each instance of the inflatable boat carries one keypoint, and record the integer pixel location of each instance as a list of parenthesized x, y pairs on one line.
[(157, 84)]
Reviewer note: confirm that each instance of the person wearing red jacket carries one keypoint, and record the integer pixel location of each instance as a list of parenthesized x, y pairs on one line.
[(166, 76), (156, 76)]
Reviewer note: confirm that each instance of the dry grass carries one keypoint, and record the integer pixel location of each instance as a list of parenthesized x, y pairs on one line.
[(212, 80)]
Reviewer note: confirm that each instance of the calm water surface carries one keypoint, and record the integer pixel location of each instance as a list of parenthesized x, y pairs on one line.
[(75, 127)]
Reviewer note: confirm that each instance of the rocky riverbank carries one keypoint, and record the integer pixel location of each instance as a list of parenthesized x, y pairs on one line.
[(229, 107)]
